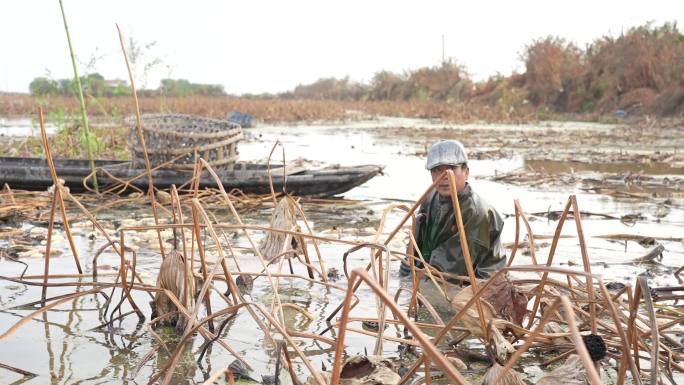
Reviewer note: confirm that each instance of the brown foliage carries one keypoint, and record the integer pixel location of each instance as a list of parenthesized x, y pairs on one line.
[(501, 300), (386, 86), (638, 100), (670, 101), (644, 57), (506, 300), (447, 82), (553, 69), (624, 72)]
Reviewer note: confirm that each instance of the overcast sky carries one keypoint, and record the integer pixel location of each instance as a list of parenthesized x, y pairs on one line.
[(272, 46)]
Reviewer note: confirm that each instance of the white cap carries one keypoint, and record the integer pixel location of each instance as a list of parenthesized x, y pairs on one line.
[(449, 152)]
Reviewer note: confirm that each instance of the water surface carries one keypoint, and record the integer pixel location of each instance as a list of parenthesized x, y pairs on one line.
[(64, 346)]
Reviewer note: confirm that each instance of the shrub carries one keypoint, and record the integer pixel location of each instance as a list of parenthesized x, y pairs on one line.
[(554, 69)]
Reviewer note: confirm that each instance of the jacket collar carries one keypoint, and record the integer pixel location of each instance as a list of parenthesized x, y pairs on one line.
[(463, 195)]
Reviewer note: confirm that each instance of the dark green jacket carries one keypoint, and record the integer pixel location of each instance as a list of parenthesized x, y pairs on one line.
[(440, 244)]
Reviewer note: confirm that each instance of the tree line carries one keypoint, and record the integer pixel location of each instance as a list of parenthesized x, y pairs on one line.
[(96, 85), (640, 71)]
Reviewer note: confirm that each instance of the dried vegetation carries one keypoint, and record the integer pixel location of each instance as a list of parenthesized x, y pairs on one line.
[(509, 312)]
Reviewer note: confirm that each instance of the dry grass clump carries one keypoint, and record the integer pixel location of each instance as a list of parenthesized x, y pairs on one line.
[(113, 110)]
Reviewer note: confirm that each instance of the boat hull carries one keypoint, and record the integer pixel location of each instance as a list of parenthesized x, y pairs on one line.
[(34, 174)]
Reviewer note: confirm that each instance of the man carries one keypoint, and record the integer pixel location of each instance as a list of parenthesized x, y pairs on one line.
[(437, 232)]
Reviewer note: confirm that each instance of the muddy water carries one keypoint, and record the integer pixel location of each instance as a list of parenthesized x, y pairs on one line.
[(554, 166), (65, 345)]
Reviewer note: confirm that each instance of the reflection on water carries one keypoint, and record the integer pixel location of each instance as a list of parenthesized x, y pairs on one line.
[(66, 345), (23, 127)]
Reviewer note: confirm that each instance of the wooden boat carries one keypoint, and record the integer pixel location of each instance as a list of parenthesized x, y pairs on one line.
[(34, 174)]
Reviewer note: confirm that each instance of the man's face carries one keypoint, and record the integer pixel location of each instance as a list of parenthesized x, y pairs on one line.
[(460, 172)]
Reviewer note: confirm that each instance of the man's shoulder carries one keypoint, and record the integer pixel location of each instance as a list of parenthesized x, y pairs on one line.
[(486, 221), (482, 207)]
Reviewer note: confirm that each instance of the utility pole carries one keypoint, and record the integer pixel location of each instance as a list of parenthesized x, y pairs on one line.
[(442, 48)]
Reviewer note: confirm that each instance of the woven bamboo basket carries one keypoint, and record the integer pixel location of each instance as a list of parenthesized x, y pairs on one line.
[(185, 138)]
